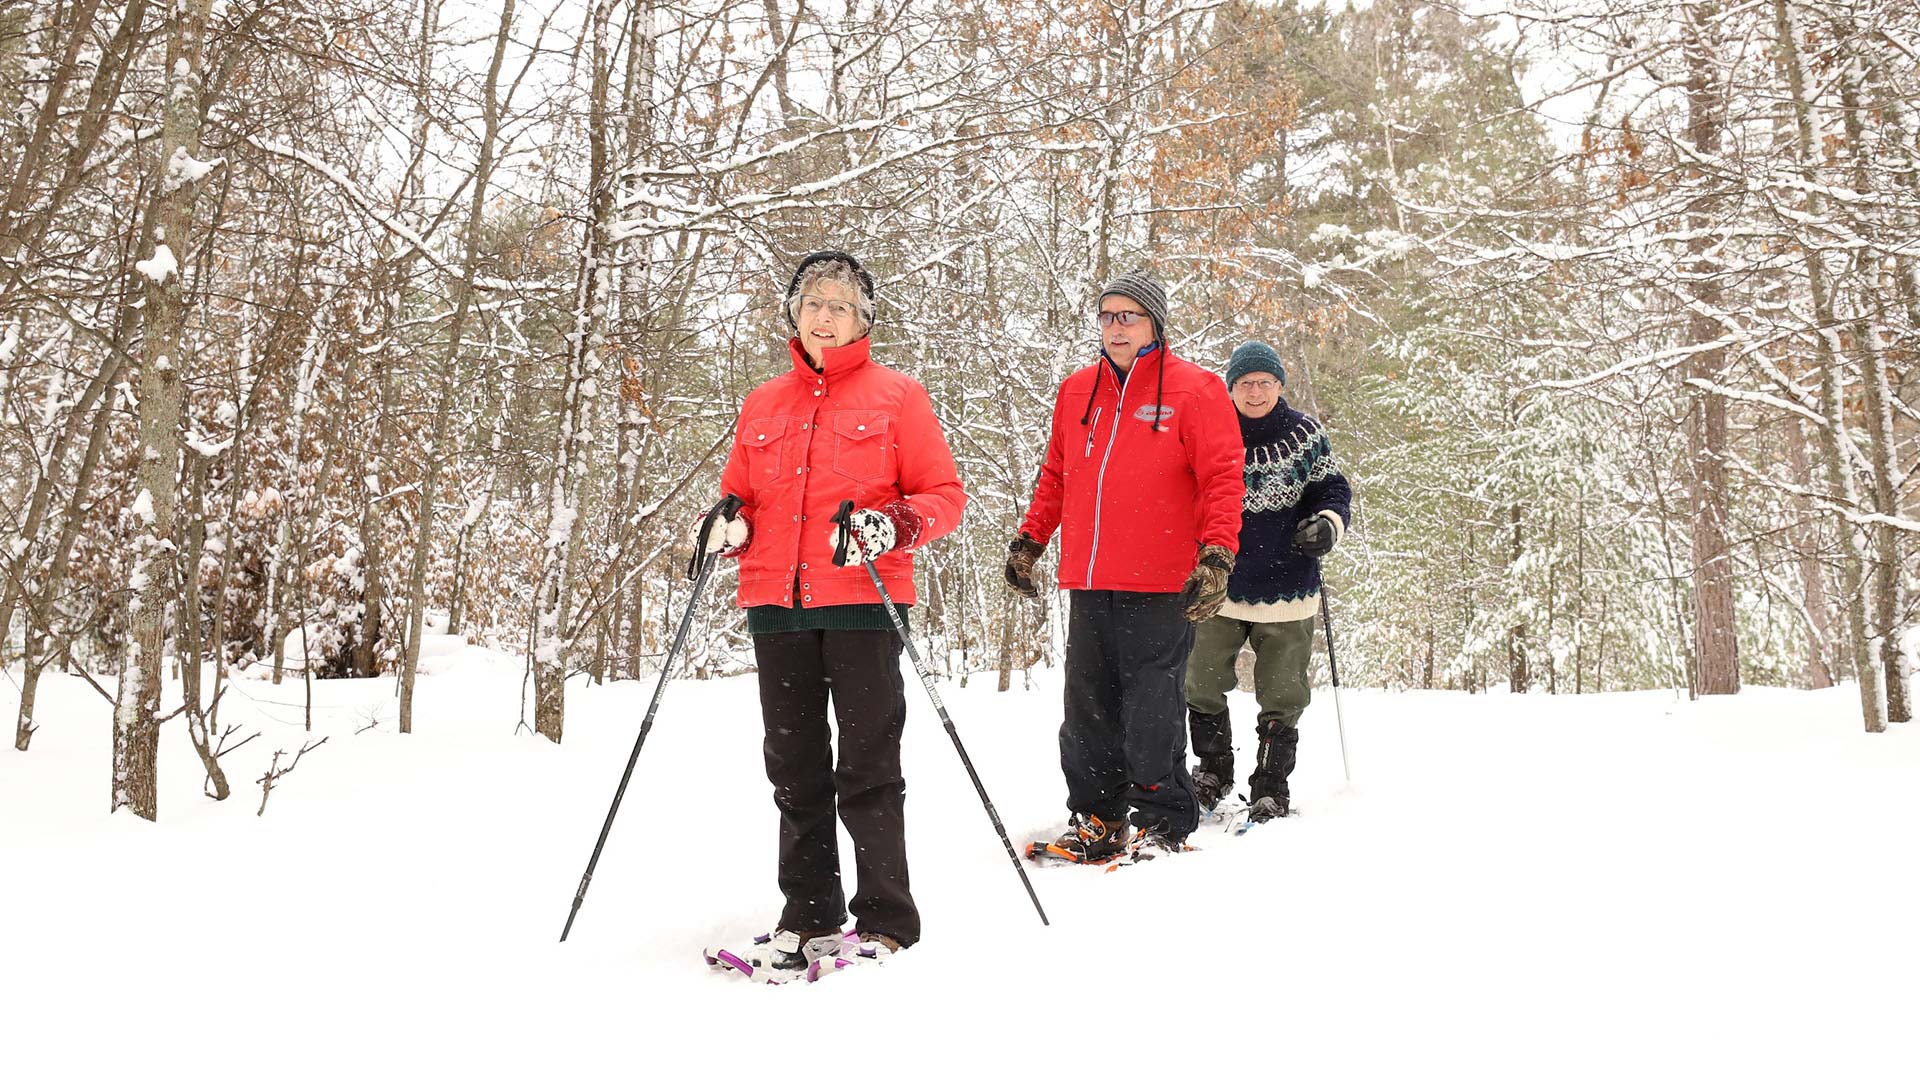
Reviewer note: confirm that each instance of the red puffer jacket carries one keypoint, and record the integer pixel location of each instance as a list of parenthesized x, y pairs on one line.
[(1133, 505), (808, 440)]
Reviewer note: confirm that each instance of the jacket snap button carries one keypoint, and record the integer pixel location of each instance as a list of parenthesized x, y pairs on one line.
[(803, 566), (862, 427), (763, 435), (816, 393)]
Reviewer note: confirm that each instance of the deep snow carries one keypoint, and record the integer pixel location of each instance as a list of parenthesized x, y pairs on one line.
[(1538, 886)]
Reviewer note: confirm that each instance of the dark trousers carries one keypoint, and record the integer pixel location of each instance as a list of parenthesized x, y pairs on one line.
[(1124, 741), (860, 669)]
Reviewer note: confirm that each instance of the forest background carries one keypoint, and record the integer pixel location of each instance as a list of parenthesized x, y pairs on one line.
[(325, 327)]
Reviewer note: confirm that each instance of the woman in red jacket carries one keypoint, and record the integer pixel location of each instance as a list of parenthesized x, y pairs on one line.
[(836, 426)]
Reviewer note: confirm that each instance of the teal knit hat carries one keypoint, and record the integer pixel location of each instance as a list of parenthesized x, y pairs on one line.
[(1252, 356)]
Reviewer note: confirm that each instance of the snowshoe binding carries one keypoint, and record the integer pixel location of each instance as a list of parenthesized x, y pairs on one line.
[(1149, 843), (1266, 808), (1211, 784), (1225, 813), (780, 956), (859, 949), (1154, 841), (1088, 840)]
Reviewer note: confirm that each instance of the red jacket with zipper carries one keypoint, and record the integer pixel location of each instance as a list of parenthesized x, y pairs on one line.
[(1134, 506), (809, 439)]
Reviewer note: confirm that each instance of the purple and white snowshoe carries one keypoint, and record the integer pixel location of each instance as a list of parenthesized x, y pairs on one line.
[(780, 956), (856, 952)]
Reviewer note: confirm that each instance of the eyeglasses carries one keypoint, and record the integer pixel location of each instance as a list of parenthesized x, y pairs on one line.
[(813, 305), (1124, 318), (1257, 384)]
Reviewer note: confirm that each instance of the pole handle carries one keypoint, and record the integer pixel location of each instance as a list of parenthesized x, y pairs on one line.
[(843, 518), (725, 509)]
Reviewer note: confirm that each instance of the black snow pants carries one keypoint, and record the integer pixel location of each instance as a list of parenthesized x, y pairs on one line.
[(860, 670), (1124, 741)]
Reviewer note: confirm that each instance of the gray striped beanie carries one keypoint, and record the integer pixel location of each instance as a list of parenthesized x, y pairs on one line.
[(1143, 289)]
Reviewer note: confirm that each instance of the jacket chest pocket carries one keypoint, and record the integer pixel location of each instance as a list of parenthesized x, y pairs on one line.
[(860, 441), (765, 441)]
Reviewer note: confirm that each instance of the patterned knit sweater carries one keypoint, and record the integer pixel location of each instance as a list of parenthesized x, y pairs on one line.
[(1290, 476)]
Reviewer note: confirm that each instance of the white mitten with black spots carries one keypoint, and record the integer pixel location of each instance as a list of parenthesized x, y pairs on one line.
[(872, 533), (727, 537)]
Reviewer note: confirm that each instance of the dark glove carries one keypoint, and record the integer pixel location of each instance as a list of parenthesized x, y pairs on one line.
[(1206, 587), (1021, 555), (1313, 536)]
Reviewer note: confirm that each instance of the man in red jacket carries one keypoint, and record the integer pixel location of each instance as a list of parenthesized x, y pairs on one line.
[(1143, 480)]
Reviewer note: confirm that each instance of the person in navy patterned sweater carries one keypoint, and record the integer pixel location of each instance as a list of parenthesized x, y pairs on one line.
[(1297, 507)]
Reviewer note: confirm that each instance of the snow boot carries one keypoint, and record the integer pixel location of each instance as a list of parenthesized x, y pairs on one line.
[(1088, 839), (1267, 809), (1212, 780), (779, 956), (1279, 747), (864, 947), (1262, 811), (1154, 840), (1212, 735)]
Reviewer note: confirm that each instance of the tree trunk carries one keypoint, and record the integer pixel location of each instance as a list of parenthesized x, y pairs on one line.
[(151, 575), (1833, 434), (18, 571), (312, 362), (1716, 641), (40, 609), (1885, 467), (187, 647), (445, 380), (564, 524), (1818, 673), (1518, 677), (366, 653)]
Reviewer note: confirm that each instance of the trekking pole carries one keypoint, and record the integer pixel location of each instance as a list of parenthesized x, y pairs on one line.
[(1333, 668), (702, 561), (843, 519)]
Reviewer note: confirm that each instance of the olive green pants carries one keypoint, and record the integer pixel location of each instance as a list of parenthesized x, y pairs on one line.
[(1281, 653)]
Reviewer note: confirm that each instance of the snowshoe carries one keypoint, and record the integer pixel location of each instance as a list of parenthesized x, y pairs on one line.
[(1148, 844), (1154, 841), (1210, 785), (1265, 809), (778, 957), (1226, 812), (1088, 840), (859, 949)]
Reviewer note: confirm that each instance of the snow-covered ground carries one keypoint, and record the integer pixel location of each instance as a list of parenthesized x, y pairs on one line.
[(1617, 885)]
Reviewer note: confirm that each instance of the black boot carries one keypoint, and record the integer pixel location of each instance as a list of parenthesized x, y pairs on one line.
[(1279, 747), (1213, 745)]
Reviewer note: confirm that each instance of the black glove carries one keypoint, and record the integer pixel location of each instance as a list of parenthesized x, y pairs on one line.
[(1313, 536), (1021, 555)]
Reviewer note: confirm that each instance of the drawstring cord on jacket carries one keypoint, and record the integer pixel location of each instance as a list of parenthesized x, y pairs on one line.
[(1099, 370), (1159, 384)]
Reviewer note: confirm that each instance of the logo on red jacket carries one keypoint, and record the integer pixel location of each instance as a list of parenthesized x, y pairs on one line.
[(1150, 414)]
